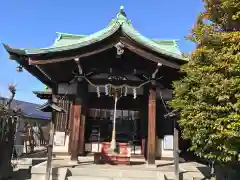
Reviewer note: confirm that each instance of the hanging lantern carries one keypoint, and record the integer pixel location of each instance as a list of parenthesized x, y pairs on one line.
[(19, 69)]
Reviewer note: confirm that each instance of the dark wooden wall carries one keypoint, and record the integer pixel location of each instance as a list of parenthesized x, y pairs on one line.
[(163, 126)]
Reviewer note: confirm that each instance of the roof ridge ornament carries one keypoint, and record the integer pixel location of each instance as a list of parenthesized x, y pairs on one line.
[(121, 9), (121, 16)]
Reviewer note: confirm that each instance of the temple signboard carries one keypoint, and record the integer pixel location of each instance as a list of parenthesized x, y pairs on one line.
[(59, 139), (168, 142)]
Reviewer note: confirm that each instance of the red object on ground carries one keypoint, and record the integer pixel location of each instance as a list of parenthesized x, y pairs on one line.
[(121, 156)]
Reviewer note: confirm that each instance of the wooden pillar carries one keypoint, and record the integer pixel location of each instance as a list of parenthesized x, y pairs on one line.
[(82, 131), (151, 146), (75, 129), (70, 122)]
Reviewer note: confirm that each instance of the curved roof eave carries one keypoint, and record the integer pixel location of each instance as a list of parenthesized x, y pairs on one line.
[(68, 35), (148, 43), (120, 22), (85, 41), (11, 50)]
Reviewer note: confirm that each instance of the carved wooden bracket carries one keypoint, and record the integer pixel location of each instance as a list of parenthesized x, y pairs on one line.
[(120, 48)]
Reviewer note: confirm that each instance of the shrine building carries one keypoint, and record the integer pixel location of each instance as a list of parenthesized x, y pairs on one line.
[(113, 86)]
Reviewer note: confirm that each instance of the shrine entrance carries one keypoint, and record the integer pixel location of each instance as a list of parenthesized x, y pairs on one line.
[(99, 127)]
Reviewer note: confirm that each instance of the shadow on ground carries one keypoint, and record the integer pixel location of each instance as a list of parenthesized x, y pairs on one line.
[(21, 174)]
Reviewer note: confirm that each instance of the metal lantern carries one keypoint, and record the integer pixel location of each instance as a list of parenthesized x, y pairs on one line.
[(19, 69)]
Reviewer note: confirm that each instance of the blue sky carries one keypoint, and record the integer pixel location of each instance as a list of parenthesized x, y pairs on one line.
[(33, 24)]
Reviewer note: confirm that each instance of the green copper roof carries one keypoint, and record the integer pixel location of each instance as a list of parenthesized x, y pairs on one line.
[(66, 41)]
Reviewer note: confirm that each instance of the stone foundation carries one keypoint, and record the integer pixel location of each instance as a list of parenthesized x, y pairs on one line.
[(38, 172)]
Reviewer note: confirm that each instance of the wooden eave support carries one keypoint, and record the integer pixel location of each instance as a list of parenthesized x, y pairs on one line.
[(24, 62), (132, 47), (41, 71), (45, 74), (56, 60)]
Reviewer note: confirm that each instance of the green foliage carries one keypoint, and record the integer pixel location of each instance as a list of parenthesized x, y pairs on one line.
[(209, 95)]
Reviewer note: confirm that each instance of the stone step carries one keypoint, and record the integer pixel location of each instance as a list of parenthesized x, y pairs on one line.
[(185, 176), (107, 178), (116, 173), (88, 178)]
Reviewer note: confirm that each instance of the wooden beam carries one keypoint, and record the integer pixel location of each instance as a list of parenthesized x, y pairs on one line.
[(23, 61), (151, 143), (116, 82), (138, 74), (132, 47), (45, 74), (56, 60)]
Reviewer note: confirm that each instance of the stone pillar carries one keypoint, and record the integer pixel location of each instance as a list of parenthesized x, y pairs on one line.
[(151, 144), (75, 128)]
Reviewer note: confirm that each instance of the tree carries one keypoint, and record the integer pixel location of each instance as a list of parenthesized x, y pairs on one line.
[(208, 96), (8, 118)]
